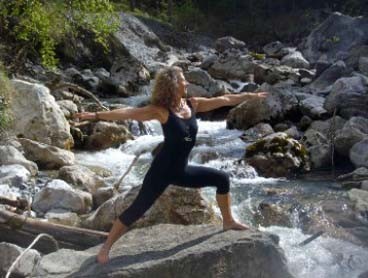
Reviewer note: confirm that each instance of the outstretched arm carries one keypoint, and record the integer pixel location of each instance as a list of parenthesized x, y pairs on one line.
[(202, 104), (146, 113)]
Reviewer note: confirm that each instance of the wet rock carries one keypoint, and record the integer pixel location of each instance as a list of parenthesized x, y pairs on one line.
[(275, 74), (295, 60), (199, 251), (106, 135), (332, 39), (277, 155), (45, 122), (11, 155), (359, 153), (354, 130), (318, 148), (349, 96), (272, 214), (176, 205), (225, 43), (305, 122), (46, 156), (25, 265), (57, 194)]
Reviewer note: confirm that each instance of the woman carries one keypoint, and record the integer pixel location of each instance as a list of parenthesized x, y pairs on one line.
[(177, 117)]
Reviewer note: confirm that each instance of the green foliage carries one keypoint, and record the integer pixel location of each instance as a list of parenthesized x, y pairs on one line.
[(5, 98), (188, 17), (40, 25)]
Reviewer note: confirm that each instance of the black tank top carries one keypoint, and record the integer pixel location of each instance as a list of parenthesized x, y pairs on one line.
[(179, 139)]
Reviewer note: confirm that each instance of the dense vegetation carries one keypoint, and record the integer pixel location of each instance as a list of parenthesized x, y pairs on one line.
[(5, 94), (35, 27)]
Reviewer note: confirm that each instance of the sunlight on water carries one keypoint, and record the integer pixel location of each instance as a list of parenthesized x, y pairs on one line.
[(324, 257)]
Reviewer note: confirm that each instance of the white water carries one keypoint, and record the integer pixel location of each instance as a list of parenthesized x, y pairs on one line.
[(220, 148)]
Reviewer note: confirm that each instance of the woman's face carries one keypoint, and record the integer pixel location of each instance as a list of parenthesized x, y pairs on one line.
[(182, 85)]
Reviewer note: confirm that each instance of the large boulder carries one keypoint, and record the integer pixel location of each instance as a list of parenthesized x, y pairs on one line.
[(335, 37), (354, 130), (37, 116), (46, 156), (313, 107), (359, 153), (280, 101), (277, 155), (349, 96), (11, 155), (57, 194), (176, 205), (165, 251), (201, 78)]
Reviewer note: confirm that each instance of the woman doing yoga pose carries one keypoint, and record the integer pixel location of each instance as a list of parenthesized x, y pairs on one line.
[(176, 114)]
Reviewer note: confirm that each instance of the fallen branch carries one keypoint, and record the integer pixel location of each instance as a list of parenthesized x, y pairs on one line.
[(21, 230), (79, 90), (117, 184)]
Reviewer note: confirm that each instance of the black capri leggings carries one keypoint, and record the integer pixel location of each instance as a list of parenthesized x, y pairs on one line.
[(154, 185)]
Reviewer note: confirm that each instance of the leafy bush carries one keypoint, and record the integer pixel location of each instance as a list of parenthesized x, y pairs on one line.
[(39, 25), (5, 98)]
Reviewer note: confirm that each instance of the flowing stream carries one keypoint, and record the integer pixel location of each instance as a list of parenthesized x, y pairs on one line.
[(301, 200)]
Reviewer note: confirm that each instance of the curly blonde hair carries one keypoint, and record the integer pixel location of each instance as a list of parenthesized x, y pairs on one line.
[(165, 88)]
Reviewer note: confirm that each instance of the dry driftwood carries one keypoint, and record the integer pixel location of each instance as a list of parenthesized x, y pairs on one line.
[(21, 230)]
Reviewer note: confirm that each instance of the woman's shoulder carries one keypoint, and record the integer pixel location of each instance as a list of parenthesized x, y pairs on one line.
[(161, 112)]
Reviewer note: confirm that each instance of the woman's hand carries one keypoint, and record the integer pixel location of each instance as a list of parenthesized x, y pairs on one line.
[(85, 116), (261, 95)]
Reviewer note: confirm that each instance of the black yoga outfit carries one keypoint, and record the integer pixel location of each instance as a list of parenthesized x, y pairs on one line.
[(170, 166)]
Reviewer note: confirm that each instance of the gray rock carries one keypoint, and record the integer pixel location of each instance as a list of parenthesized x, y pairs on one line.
[(295, 60), (313, 107), (354, 179), (46, 156), (320, 156), (273, 49), (354, 130), (14, 175), (68, 107), (323, 83), (232, 67), (60, 195), (305, 122), (63, 217), (325, 126), (81, 177), (199, 251), (258, 131), (225, 43), (26, 264), (360, 199), (363, 65), (359, 153), (45, 122), (253, 111), (11, 155), (337, 34), (349, 96)]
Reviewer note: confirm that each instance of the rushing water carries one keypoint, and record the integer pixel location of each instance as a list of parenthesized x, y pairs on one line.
[(221, 148)]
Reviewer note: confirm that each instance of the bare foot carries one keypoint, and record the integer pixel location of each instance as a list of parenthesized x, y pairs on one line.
[(235, 226), (103, 255)]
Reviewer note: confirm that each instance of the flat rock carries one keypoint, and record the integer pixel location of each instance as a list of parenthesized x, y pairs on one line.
[(175, 251)]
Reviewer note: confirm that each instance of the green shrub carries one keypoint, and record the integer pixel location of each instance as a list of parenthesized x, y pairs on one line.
[(5, 98)]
